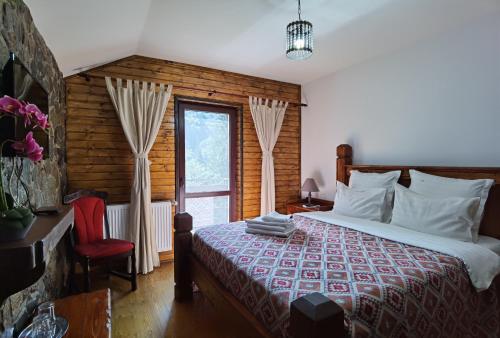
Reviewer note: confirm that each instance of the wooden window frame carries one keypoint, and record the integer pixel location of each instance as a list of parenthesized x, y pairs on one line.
[(180, 170)]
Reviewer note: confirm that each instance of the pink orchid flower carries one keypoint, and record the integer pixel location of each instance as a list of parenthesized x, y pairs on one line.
[(42, 119), (29, 147), (32, 113), (9, 104), (26, 115)]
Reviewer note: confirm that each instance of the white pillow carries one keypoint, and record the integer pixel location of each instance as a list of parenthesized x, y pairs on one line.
[(386, 180), (450, 217), (360, 203), (437, 186), (489, 243)]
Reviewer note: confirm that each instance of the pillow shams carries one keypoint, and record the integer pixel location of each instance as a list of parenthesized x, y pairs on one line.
[(360, 203), (437, 186), (359, 179), (386, 180), (451, 217)]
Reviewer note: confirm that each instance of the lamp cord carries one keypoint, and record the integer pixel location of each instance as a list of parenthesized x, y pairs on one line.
[(299, 10)]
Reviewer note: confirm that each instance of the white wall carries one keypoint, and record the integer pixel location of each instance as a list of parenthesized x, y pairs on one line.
[(436, 103)]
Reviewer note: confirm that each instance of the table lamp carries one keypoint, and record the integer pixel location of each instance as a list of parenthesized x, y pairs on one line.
[(309, 186)]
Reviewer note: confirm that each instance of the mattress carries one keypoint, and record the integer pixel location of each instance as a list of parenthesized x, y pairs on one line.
[(387, 288)]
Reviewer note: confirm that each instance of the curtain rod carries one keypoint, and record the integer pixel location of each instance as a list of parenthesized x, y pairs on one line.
[(209, 92)]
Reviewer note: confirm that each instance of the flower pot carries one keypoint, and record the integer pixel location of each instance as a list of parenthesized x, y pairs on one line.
[(15, 224)]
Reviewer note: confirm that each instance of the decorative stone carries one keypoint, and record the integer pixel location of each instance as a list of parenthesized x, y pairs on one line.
[(46, 181)]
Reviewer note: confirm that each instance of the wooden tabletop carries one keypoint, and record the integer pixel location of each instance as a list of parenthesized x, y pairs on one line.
[(46, 232), (22, 262), (88, 314), (298, 206)]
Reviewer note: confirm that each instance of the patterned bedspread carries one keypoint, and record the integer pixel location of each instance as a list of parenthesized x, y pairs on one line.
[(387, 289)]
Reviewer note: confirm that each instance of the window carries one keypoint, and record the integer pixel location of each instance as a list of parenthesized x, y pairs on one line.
[(206, 162)]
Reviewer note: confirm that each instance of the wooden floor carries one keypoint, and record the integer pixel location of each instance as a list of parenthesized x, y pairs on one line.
[(152, 312)]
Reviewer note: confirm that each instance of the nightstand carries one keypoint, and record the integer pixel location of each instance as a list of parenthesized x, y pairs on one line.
[(297, 206)]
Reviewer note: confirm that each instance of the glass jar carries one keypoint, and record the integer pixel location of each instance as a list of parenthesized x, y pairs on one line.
[(44, 323)]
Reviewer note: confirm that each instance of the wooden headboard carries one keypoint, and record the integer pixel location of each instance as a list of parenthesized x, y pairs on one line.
[(490, 226)]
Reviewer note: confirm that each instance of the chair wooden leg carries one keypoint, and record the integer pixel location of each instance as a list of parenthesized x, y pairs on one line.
[(71, 278), (86, 274), (133, 274), (72, 284), (109, 271)]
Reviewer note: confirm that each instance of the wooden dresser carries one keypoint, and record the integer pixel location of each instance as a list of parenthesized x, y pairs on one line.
[(88, 314), (298, 206)]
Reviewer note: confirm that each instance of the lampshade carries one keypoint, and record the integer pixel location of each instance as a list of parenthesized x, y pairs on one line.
[(299, 38), (310, 185)]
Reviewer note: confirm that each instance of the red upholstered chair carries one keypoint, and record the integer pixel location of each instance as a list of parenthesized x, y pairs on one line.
[(90, 248)]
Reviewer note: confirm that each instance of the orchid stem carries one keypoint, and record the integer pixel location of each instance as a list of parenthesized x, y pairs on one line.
[(3, 198)]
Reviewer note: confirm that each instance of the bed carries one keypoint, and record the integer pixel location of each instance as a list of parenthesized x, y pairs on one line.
[(337, 276)]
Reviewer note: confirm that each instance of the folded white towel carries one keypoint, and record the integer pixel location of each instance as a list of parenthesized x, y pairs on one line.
[(269, 233), (259, 220), (277, 217), (277, 225), (270, 228)]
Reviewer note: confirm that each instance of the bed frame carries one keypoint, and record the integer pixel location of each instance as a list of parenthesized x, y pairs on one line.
[(313, 315)]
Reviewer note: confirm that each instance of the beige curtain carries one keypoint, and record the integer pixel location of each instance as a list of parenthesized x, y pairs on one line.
[(141, 107), (268, 121)]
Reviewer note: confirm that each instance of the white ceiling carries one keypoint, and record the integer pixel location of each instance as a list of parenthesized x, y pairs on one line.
[(244, 36)]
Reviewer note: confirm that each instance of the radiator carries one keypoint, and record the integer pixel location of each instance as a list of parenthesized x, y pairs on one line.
[(162, 219)]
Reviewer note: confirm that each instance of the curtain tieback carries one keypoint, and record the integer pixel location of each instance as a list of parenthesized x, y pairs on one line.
[(267, 153), (141, 155)]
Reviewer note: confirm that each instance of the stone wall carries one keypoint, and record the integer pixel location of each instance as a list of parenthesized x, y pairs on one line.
[(46, 180)]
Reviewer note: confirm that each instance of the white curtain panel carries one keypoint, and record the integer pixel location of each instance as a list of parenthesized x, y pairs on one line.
[(141, 107), (268, 121)]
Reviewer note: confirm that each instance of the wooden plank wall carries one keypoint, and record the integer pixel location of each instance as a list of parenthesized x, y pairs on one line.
[(98, 154)]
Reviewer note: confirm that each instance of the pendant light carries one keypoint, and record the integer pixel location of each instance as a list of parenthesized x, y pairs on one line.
[(299, 38)]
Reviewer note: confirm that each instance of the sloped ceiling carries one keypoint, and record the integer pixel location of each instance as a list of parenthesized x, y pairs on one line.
[(244, 36)]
